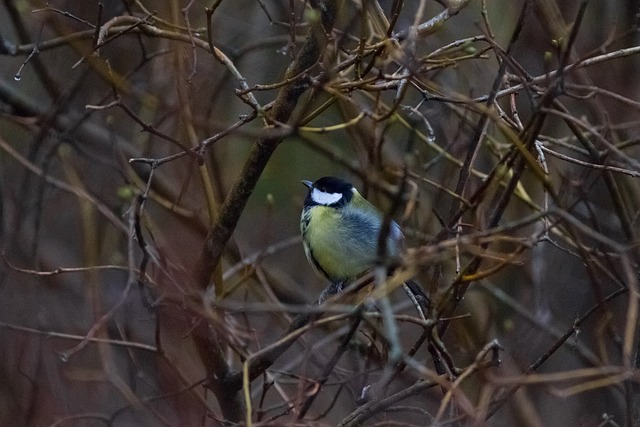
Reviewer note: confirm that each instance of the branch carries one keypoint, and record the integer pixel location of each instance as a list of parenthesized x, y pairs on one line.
[(262, 149), (429, 27), (220, 233)]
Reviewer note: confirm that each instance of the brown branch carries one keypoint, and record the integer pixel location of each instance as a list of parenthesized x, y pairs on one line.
[(507, 393), (262, 150), (366, 411), (208, 346), (330, 366), (60, 335), (429, 27)]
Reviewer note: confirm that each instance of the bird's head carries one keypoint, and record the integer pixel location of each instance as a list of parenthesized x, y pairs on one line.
[(329, 191)]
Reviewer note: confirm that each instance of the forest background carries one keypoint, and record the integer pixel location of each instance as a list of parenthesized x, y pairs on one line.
[(152, 271)]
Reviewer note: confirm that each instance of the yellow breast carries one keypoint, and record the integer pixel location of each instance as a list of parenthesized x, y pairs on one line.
[(333, 246)]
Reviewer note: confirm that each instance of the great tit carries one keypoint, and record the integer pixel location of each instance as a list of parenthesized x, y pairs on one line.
[(340, 231)]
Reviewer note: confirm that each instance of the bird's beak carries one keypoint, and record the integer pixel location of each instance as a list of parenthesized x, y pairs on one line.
[(307, 184)]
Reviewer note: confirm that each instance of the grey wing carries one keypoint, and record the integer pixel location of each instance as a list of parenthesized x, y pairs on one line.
[(361, 231), (365, 226)]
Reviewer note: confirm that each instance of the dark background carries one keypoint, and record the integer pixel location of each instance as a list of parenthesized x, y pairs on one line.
[(70, 121)]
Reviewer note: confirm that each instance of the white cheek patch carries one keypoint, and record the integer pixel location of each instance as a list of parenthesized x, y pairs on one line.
[(322, 198)]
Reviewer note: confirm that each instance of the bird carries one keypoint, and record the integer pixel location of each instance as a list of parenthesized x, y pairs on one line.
[(340, 232)]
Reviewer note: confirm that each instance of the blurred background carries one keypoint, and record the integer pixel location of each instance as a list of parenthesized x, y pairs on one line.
[(121, 135)]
